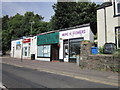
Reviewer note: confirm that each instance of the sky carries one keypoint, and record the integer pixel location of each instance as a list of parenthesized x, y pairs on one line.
[(41, 7)]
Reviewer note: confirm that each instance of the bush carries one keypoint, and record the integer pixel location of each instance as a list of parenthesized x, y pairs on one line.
[(117, 53), (101, 50)]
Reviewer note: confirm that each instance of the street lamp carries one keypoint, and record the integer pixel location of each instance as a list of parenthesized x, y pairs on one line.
[(32, 22)]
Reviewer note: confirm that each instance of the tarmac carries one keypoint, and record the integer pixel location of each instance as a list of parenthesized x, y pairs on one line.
[(66, 69)]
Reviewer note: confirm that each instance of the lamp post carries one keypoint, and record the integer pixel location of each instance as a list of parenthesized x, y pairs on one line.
[(32, 22)]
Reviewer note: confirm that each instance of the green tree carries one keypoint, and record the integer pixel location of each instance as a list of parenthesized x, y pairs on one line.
[(19, 25), (68, 14)]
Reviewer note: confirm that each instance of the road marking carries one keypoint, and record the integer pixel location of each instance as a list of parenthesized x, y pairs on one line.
[(69, 75)]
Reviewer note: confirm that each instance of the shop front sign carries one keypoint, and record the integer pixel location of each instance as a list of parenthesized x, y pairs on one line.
[(26, 40), (51, 38), (18, 43), (73, 33)]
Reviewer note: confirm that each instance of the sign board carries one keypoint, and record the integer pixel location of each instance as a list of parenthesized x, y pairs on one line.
[(75, 33), (27, 40), (50, 38), (18, 42)]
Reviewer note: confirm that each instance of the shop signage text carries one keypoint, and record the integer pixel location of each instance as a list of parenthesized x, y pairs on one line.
[(72, 33), (27, 40)]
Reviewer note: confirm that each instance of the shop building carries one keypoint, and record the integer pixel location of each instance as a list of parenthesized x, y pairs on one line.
[(70, 40), (108, 23), (16, 48), (23, 48), (47, 46)]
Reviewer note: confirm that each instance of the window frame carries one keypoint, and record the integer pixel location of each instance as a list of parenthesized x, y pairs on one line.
[(116, 13), (43, 52), (116, 36)]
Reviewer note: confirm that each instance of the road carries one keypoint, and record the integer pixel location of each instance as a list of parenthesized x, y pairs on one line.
[(19, 77)]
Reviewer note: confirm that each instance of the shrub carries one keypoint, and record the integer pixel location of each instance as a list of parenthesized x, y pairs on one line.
[(101, 50)]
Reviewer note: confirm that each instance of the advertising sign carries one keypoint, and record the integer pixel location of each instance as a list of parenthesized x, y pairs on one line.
[(50, 38), (27, 40), (18, 42)]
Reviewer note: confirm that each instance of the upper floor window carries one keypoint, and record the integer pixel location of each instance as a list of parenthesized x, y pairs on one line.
[(117, 7)]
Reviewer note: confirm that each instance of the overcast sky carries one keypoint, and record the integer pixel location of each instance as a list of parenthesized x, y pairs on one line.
[(41, 7)]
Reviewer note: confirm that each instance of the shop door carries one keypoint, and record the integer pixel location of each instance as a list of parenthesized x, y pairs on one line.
[(26, 51), (54, 52), (66, 51), (13, 51)]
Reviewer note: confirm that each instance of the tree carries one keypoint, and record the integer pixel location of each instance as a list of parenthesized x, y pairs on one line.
[(69, 14), (19, 25)]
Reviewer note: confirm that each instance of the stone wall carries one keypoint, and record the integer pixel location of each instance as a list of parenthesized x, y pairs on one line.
[(101, 62), (97, 62)]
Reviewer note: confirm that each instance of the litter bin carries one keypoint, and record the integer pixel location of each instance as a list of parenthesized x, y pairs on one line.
[(94, 50), (32, 56)]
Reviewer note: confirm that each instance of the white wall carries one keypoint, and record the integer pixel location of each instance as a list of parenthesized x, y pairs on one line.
[(101, 27), (111, 23), (17, 53)]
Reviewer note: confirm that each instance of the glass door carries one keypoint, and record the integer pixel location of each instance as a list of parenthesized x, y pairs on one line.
[(66, 51), (25, 51)]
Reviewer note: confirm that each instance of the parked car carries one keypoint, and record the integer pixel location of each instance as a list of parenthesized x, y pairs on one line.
[(109, 48)]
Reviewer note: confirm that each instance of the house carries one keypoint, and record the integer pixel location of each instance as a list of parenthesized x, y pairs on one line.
[(108, 23)]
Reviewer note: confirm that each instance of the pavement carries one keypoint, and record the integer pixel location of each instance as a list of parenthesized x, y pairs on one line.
[(66, 69)]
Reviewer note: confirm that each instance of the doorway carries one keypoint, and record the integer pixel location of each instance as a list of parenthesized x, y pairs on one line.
[(71, 49), (54, 52), (66, 51), (13, 51), (26, 51)]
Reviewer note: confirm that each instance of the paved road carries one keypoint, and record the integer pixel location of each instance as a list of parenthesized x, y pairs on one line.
[(19, 77)]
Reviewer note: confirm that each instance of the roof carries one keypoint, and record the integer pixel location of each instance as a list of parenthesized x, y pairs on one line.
[(47, 32), (79, 26), (106, 4)]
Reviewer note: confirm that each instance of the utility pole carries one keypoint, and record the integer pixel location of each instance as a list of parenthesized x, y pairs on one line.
[(32, 22)]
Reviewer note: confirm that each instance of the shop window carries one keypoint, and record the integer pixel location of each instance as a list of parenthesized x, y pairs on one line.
[(43, 51), (75, 47), (18, 47)]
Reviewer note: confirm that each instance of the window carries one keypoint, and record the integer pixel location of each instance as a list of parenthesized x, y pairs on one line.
[(43, 51), (117, 7), (118, 38), (18, 47), (75, 47)]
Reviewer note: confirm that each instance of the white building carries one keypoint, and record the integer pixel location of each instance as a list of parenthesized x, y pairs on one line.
[(108, 23), (70, 42), (23, 48), (16, 50)]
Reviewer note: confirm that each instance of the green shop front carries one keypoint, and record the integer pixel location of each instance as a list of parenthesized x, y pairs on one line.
[(48, 47)]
